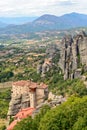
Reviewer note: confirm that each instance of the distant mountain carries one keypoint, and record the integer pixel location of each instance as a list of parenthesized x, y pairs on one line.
[(66, 21), (46, 19), (74, 20), (49, 22), (2, 25)]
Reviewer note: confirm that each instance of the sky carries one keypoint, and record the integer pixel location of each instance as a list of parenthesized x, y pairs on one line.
[(15, 8)]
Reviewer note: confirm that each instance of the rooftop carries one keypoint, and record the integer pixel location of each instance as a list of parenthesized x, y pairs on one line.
[(29, 84), (23, 113), (11, 126), (42, 85), (21, 83)]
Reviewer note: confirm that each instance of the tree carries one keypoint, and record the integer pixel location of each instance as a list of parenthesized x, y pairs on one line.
[(32, 124), (65, 116), (25, 124)]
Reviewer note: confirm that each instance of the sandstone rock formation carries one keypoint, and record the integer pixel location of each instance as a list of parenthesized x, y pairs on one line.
[(83, 48), (73, 55)]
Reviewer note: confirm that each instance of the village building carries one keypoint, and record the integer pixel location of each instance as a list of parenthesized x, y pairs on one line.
[(26, 94), (25, 97), (23, 113)]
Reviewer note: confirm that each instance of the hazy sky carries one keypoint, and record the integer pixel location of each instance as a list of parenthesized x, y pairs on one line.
[(40, 7)]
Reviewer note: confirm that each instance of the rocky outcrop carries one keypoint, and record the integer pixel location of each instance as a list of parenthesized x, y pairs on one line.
[(47, 65), (83, 48), (17, 103), (73, 55), (55, 100), (51, 52)]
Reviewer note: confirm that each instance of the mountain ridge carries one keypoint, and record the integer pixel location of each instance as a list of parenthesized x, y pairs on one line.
[(49, 22)]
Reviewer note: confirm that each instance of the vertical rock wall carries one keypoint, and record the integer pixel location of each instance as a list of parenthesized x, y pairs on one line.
[(83, 51), (73, 53)]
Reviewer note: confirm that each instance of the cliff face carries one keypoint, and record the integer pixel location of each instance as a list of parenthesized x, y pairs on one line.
[(17, 103), (73, 54), (83, 50)]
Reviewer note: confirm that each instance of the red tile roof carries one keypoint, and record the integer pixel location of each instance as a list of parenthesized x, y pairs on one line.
[(11, 126), (24, 113), (30, 84), (21, 115), (43, 86), (33, 85), (21, 83)]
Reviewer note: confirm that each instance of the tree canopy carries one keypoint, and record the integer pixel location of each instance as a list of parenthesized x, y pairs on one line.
[(71, 115)]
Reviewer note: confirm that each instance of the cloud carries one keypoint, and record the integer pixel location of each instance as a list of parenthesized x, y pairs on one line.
[(39, 7), (66, 3)]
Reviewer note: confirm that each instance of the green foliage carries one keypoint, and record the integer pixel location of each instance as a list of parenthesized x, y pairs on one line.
[(5, 76), (40, 115), (3, 127), (81, 123), (34, 76), (56, 58), (25, 124), (72, 115), (56, 83), (11, 120), (18, 76), (70, 87), (79, 62), (32, 124), (4, 102)]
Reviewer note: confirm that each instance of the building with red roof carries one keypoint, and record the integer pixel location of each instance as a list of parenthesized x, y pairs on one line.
[(26, 93), (23, 113)]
